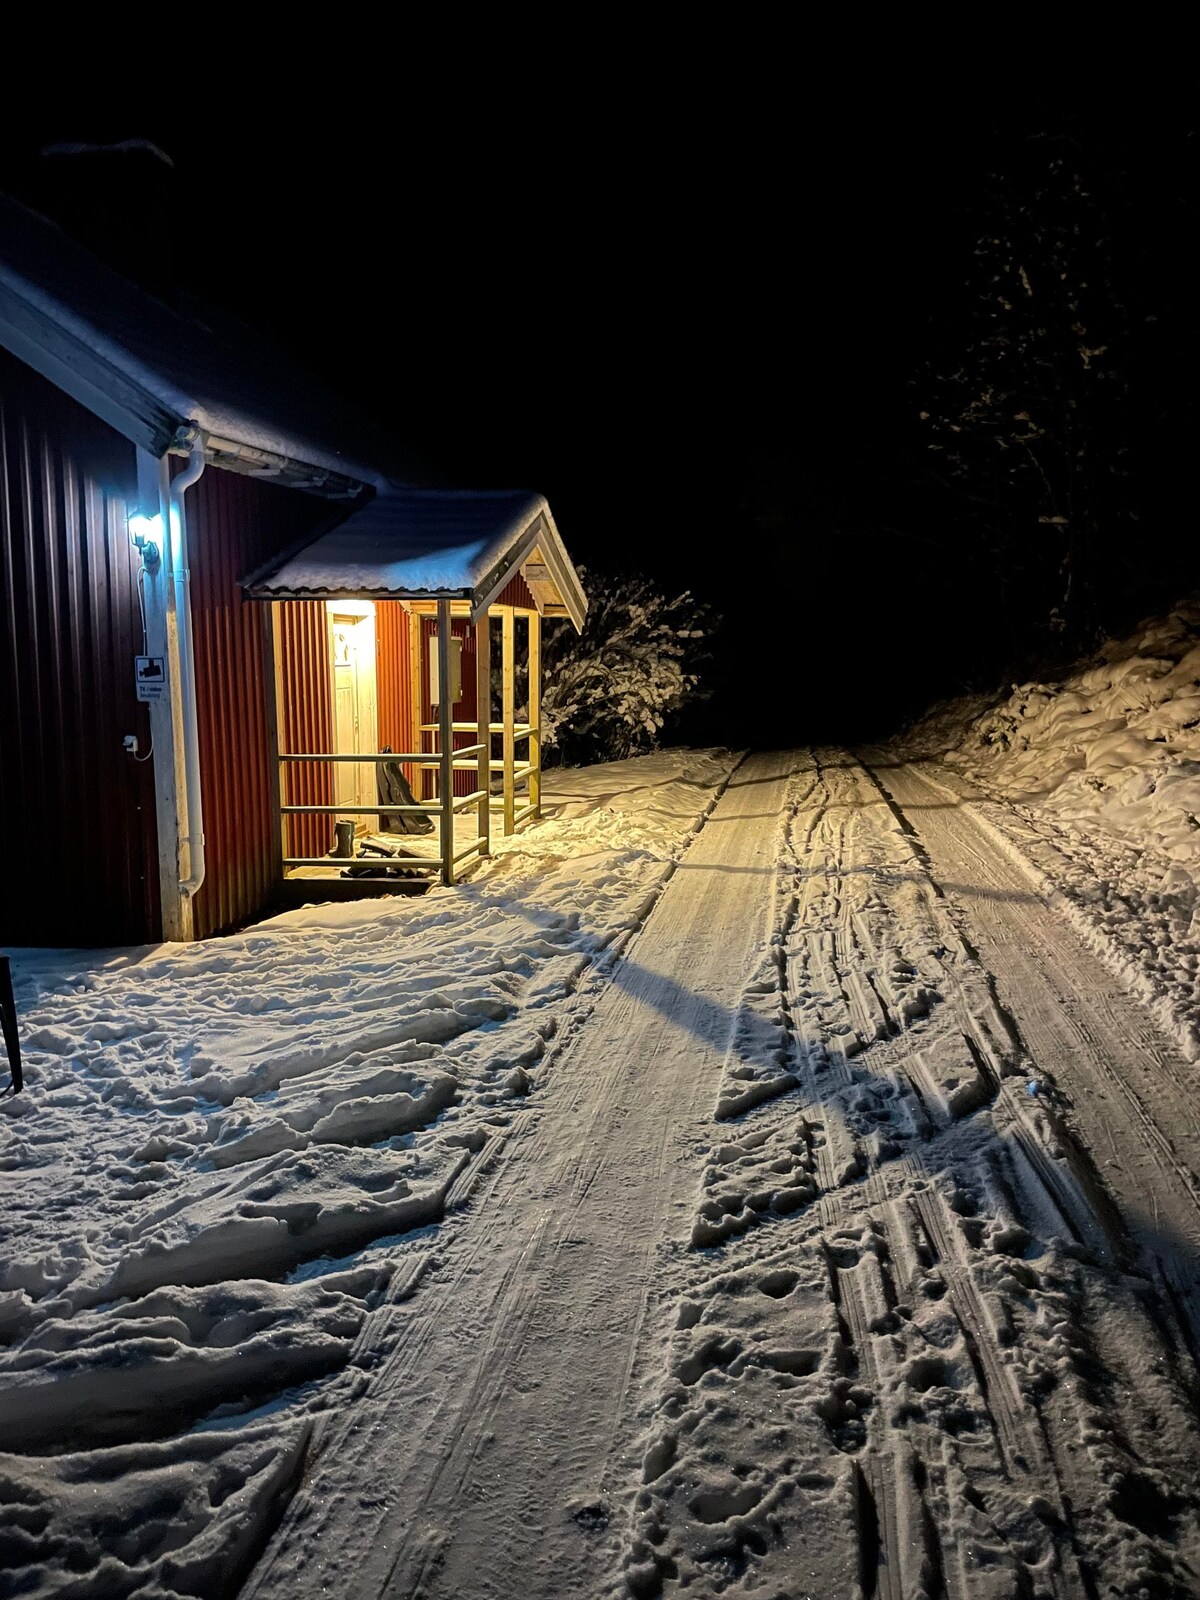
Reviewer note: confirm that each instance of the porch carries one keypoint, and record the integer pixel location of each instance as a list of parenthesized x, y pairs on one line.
[(404, 722)]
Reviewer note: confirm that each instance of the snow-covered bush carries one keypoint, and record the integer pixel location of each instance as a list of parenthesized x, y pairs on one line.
[(609, 692)]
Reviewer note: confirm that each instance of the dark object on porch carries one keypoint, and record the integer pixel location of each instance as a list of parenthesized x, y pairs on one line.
[(8, 1023), (380, 868), (343, 839), (394, 791)]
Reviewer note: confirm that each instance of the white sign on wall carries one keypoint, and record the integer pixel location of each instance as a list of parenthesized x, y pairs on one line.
[(150, 675)]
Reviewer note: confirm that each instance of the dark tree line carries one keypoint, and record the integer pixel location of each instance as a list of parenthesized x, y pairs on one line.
[(997, 466), (1060, 375)]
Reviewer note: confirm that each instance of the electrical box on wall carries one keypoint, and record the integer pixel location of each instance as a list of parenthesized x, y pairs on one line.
[(455, 672)]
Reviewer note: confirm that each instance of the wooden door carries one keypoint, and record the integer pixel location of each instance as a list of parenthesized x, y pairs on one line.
[(355, 723)]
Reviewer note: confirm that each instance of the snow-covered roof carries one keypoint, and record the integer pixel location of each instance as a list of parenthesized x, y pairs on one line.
[(149, 371), (415, 544), (153, 374)]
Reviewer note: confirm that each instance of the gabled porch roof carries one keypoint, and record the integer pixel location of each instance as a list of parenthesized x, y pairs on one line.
[(423, 544)]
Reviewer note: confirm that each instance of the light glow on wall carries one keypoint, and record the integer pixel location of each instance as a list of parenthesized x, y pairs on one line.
[(146, 532)]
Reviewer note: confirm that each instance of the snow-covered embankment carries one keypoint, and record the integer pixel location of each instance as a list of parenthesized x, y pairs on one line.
[(1093, 783)]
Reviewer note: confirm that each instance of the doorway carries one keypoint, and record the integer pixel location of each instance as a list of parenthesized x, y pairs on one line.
[(355, 723)]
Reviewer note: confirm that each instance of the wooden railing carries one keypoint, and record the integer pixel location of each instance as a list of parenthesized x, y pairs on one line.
[(519, 779), (443, 810)]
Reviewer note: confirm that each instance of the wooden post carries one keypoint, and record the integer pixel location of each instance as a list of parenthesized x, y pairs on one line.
[(507, 678), (273, 679), (446, 741), (535, 712), (166, 713), (416, 701), (483, 735)]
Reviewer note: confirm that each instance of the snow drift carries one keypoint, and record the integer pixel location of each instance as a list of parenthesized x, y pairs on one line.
[(1094, 783)]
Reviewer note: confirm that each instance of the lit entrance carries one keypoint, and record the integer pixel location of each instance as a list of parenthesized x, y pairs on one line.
[(355, 722), (407, 725)]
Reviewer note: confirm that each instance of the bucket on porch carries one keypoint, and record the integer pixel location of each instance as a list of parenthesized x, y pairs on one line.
[(343, 841)]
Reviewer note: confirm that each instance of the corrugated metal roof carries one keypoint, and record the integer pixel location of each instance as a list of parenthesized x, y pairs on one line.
[(413, 544), (147, 370)]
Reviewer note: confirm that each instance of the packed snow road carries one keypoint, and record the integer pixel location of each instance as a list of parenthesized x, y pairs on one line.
[(923, 1348), (851, 1252), (499, 1434), (1132, 1095), (235, 1160), (826, 1226)]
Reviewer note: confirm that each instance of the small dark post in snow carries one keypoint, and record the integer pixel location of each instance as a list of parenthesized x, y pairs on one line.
[(8, 1022)]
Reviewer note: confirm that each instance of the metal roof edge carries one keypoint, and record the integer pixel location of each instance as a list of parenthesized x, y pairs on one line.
[(399, 595), (574, 594), (59, 352), (64, 360), (542, 531), (338, 514)]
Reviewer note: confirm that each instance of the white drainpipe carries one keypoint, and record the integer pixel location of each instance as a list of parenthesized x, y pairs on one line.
[(181, 577)]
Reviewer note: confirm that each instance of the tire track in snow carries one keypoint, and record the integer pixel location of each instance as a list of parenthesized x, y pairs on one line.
[(500, 1464), (1132, 1096), (1038, 972), (957, 1232), (893, 1469)]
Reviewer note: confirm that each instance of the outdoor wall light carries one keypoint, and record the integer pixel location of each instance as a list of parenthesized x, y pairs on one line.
[(147, 534)]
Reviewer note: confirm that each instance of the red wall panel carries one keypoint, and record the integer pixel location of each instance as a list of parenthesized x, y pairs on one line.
[(464, 709), (516, 592), (307, 723), (234, 524), (76, 812), (393, 671)]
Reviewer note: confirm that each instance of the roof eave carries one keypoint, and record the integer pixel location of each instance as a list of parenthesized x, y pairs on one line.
[(100, 387), (542, 534), (268, 466), (261, 592), (134, 410)]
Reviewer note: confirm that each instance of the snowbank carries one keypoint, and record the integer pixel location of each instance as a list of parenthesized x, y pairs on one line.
[(1095, 782), (229, 1154), (1116, 747)]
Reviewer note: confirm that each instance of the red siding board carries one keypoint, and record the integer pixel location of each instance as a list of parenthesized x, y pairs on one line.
[(516, 592), (307, 722), (394, 674), (76, 812), (234, 524), (464, 709)]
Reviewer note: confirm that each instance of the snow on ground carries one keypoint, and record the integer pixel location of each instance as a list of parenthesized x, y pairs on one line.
[(914, 1358), (1094, 782), (935, 1307), (227, 1154)]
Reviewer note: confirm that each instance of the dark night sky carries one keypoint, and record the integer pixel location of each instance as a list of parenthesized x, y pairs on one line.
[(661, 318)]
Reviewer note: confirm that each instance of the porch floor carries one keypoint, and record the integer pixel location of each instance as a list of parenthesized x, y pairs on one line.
[(304, 885)]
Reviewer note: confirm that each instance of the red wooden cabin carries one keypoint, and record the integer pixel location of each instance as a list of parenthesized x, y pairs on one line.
[(148, 463)]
